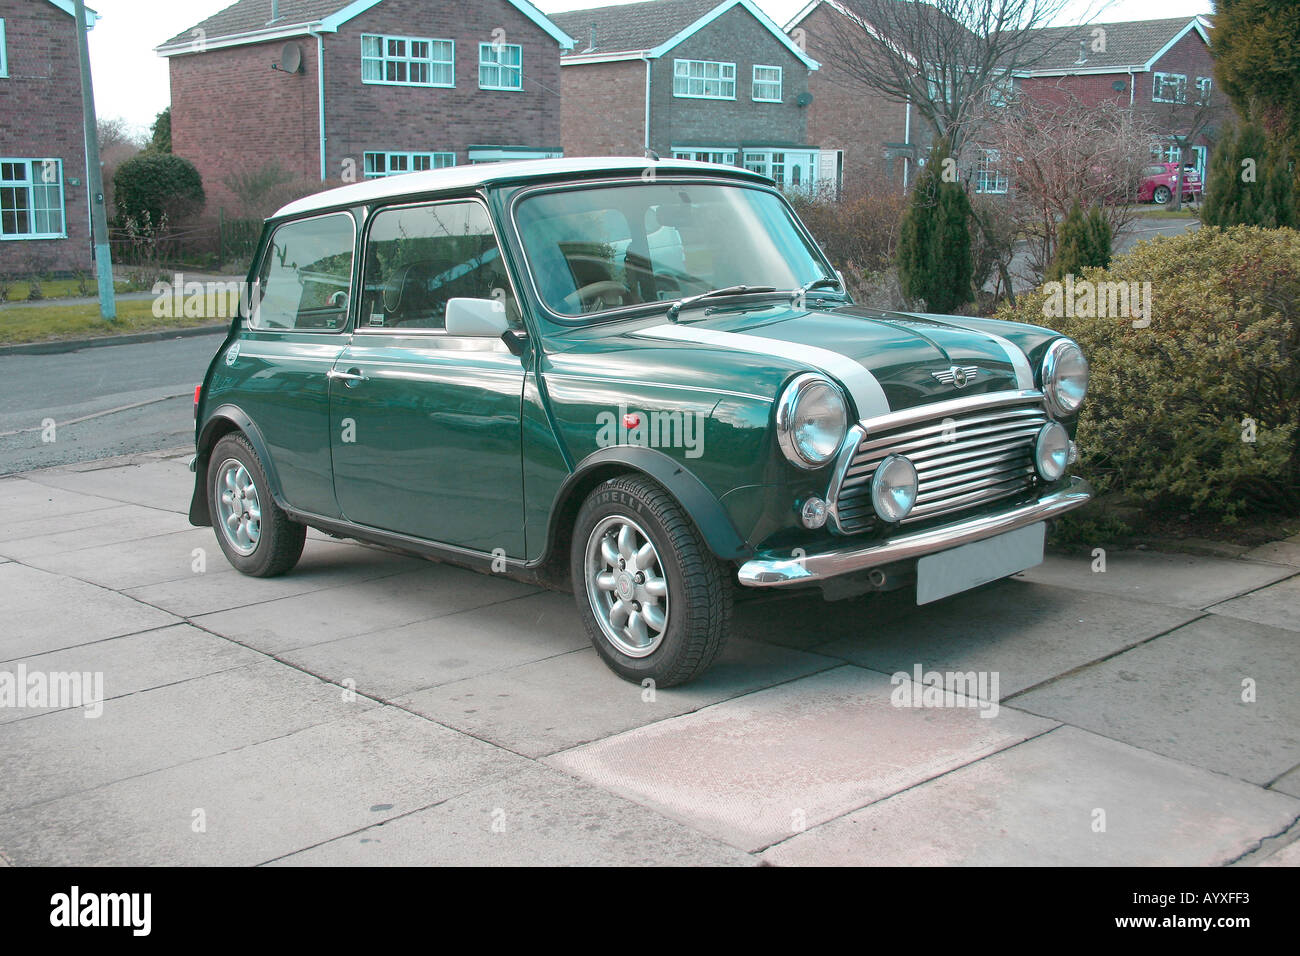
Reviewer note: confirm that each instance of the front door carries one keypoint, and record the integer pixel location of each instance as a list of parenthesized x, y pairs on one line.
[(426, 425)]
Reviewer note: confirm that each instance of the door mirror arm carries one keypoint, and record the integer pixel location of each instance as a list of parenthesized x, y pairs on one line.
[(516, 341)]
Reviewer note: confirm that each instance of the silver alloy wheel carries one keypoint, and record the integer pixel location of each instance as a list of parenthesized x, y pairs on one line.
[(626, 586), (239, 510)]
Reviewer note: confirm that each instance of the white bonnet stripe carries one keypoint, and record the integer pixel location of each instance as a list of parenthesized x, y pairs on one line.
[(1024, 374), (865, 390)]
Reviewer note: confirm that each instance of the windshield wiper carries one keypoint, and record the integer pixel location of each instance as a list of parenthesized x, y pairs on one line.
[(818, 283), (675, 309)]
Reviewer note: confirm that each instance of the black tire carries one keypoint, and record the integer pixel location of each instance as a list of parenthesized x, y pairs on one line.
[(699, 593), (1162, 195), (279, 540)]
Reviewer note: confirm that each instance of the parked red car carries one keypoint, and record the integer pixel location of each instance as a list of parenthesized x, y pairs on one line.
[(1159, 180)]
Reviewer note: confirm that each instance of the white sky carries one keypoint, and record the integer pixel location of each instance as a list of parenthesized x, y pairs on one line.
[(131, 80)]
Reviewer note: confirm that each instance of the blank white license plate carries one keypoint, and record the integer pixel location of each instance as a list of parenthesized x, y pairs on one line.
[(970, 565)]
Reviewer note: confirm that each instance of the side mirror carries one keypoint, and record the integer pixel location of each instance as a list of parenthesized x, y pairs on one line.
[(479, 317)]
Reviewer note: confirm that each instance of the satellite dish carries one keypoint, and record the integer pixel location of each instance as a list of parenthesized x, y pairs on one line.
[(1119, 86), (804, 99), (290, 59)]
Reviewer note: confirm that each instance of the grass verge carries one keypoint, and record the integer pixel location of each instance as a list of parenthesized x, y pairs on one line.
[(47, 323)]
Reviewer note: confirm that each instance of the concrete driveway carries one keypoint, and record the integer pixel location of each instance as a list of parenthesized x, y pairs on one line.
[(371, 708)]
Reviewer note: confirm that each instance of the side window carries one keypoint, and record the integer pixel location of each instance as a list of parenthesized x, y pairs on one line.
[(306, 276), (418, 257)]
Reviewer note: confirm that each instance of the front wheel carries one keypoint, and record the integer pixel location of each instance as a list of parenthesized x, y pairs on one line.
[(256, 535), (655, 601)]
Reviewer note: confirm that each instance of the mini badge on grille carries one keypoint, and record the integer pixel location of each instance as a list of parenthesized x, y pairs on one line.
[(957, 375)]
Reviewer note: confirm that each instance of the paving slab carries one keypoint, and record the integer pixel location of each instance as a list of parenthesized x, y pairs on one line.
[(116, 526), (1039, 804), (397, 661), (564, 701), (153, 560), (538, 817), (324, 565), (1288, 783), (1026, 633), (422, 593), (1175, 580), (754, 770), (1278, 605), (57, 754), (137, 662), (1286, 551), (1289, 855), (46, 612), (260, 802), (23, 502), (1181, 695), (165, 483)]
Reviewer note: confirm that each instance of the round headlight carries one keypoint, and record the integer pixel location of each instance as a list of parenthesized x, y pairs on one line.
[(1065, 377), (1052, 451), (811, 421), (893, 488)]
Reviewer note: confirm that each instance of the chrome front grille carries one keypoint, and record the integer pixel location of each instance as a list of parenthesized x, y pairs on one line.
[(966, 452)]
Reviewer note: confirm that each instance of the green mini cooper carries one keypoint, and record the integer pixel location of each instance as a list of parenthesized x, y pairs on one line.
[(641, 380)]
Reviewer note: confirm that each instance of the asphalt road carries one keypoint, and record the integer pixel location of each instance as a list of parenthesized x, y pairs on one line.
[(110, 401)]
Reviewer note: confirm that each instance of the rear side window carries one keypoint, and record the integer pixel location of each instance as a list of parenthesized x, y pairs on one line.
[(305, 282)]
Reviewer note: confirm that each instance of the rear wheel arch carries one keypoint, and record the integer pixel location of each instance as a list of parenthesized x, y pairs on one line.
[(223, 421)]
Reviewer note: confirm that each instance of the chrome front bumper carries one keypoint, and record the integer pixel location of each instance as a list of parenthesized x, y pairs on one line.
[(780, 572)]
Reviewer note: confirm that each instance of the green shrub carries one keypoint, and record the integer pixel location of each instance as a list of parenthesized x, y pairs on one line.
[(1174, 403), (1249, 182), (157, 187), (1084, 242), (858, 233), (934, 245)]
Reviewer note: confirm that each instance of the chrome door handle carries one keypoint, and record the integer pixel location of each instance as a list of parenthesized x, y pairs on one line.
[(348, 378)]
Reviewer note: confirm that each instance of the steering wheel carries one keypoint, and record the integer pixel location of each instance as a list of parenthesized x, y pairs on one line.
[(589, 294)]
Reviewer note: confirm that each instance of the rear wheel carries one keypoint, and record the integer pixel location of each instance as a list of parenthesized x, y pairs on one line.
[(258, 538), (1162, 195), (655, 601)]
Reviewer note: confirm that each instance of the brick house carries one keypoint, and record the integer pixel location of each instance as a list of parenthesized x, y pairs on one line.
[(44, 204), (332, 90), (1162, 69), (693, 79), (881, 139)]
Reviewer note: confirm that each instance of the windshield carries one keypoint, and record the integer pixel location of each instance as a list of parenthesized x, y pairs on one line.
[(595, 249)]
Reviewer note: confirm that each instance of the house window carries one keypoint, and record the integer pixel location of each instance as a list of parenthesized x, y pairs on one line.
[(4, 53), (500, 66), (1203, 86), (988, 177), (379, 164), (1169, 88), (408, 61), (1000, 91), (767, 84), (726, 157), (31, 199), (704, 79)]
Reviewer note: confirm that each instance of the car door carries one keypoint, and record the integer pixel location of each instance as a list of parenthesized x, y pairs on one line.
[(426, 425), (279, 366)]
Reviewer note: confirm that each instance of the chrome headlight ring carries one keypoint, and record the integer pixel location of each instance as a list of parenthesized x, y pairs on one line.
[(1064, 377), (812, 418)]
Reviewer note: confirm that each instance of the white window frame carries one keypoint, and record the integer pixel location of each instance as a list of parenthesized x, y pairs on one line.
[(1204, 87), (4, 51), (385, 58), (989, 179), (722, 155), (1157, 83), (756, 82), (489, 58), (683, 79), (31, 184), (415, 162)]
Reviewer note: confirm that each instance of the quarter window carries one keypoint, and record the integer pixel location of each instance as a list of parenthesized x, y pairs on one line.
[(31, 199), (767, 84), (378, 164), (418, 257), (306, 276), (704, 79), (1169, 88), (500, 66), (408, 61)]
